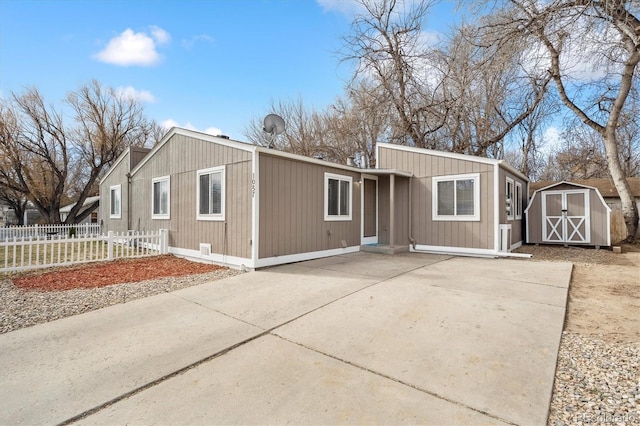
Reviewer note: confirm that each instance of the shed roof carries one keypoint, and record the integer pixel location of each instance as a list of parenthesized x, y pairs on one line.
[(605, 186)]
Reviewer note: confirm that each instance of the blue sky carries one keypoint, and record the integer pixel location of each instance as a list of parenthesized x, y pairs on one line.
[(209, 65)]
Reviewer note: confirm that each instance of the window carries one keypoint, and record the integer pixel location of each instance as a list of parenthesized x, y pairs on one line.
[(518, 201), (456, 197), (210, 193), (510, 205), (160, 197), (115, 193), (337, 197)]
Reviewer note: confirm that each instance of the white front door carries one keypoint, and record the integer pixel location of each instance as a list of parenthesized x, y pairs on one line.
[(369, 209), (565, 216)]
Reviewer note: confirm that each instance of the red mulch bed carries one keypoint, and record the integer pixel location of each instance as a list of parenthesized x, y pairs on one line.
[(115, 272)]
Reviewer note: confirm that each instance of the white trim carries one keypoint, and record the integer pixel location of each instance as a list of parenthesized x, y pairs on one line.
[(516, 245), (218, 216), (456, 251), (363, 239), (117, 215), (255, 207), (518, 201), (338, 217), (509, 201), (455, 217), (496, 208), (279, 260), (232, 261), (167, 215)]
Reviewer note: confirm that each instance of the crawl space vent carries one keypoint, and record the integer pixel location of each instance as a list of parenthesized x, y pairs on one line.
[(205, 249)]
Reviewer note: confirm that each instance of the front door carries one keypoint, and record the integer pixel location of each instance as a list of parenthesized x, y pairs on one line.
[(369, 210), (565, 216)]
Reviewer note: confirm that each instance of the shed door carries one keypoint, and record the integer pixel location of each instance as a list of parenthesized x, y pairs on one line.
[(565, 216)]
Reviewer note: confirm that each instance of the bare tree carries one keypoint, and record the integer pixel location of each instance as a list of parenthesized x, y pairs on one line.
[(603, 33), (489, 92), (302, 134), (387, 44), (47, 160)]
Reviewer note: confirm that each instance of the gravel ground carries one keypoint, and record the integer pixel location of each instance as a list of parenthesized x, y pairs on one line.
[(597, 380), (22, 308), (596, 383)]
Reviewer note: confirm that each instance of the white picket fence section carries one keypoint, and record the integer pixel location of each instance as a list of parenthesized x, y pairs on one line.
[(62, 230), (25, 253)]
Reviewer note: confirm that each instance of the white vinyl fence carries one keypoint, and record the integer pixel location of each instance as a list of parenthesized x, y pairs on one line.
[(61, 230), (21, 254)]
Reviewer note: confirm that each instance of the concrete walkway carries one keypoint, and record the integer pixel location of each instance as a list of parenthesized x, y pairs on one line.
[(359, 338)]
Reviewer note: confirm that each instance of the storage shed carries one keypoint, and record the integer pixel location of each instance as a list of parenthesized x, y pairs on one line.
[(570, 214)]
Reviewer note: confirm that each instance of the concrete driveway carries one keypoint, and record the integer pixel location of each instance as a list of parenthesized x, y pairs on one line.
[(359, 338)]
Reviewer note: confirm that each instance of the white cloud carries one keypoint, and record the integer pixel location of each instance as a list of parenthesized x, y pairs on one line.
[(200, 38), (130, 92), (160, 35), (169, 123), (131, 48), (552, 139), (213, 131)]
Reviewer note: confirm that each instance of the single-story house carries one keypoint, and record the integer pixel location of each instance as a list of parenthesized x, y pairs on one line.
[(608, 191), (247, 206), (92, 203)]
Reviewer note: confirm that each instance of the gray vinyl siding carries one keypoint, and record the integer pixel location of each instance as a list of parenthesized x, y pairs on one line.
[(291, 195), (117, 176), (136, 155), (597, 212), (477, 235), (180, 158), (517, 225)]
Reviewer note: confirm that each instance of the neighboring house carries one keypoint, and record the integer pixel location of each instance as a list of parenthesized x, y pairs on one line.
[(31, 216), (606, 188), (248, 206), (90, 203)]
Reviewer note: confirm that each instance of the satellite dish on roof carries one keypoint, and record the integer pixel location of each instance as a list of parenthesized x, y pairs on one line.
[(274, 125)]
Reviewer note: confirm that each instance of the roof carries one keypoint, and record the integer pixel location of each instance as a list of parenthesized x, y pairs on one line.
[(255, 148), (87, 202), (605, 186), (466, 157)]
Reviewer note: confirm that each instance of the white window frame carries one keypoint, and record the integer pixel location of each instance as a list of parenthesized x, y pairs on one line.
[(118, 191), (216, 217), (455, 217), (518, 196), (338, 217), (153, 194), (510, 205)]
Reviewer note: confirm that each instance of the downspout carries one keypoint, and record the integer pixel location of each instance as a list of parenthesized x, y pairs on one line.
[(129, 198), (411, 239)]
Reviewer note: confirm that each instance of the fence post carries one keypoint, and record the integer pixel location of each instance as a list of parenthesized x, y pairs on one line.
[(110, 240)]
